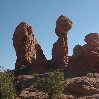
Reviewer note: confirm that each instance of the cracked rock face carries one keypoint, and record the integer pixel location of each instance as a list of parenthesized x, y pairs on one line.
[(28, 51), (60, 47)]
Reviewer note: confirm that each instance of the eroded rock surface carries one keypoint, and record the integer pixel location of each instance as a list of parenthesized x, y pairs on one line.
[(86, 57), (82, 72), (83, 67), (83, 85), (28, 51), (60, 48), (89, 49)]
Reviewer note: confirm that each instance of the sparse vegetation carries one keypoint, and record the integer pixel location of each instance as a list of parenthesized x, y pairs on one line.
[(53, 84), (6, 85)]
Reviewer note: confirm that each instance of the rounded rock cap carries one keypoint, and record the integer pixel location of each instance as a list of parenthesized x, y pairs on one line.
[(92, 39), (63, 25)]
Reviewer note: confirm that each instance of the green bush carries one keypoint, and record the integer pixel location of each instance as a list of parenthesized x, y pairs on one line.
[(6, 85), (53, 84)]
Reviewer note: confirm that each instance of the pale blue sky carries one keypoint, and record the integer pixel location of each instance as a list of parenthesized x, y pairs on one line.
[(42, 16)]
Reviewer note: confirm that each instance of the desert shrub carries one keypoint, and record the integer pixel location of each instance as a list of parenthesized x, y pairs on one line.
[(35, 75), (53, 84), (6, 85)]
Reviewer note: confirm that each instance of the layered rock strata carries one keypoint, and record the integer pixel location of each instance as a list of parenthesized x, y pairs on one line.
[(83, 69)]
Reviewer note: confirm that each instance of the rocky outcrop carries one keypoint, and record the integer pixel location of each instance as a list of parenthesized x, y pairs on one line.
[(89, 49), (23, 42), (83, 85), (28, 51), (60, 48), (83, 67), (86, 57)]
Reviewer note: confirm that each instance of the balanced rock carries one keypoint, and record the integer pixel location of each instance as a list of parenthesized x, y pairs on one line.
[(63, 25), (60, 48)]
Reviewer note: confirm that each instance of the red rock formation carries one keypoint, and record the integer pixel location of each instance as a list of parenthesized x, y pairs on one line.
[(89, 49), (60, 48), (86, 57), (82, 72), (28, 51), (83, 86)]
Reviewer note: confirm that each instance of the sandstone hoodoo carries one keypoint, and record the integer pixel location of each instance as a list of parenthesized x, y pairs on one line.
[(60, 47), (28, 51), (86, 57)]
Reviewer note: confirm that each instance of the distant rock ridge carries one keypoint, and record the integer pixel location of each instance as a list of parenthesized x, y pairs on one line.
[(91, 48), (86, 57)]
